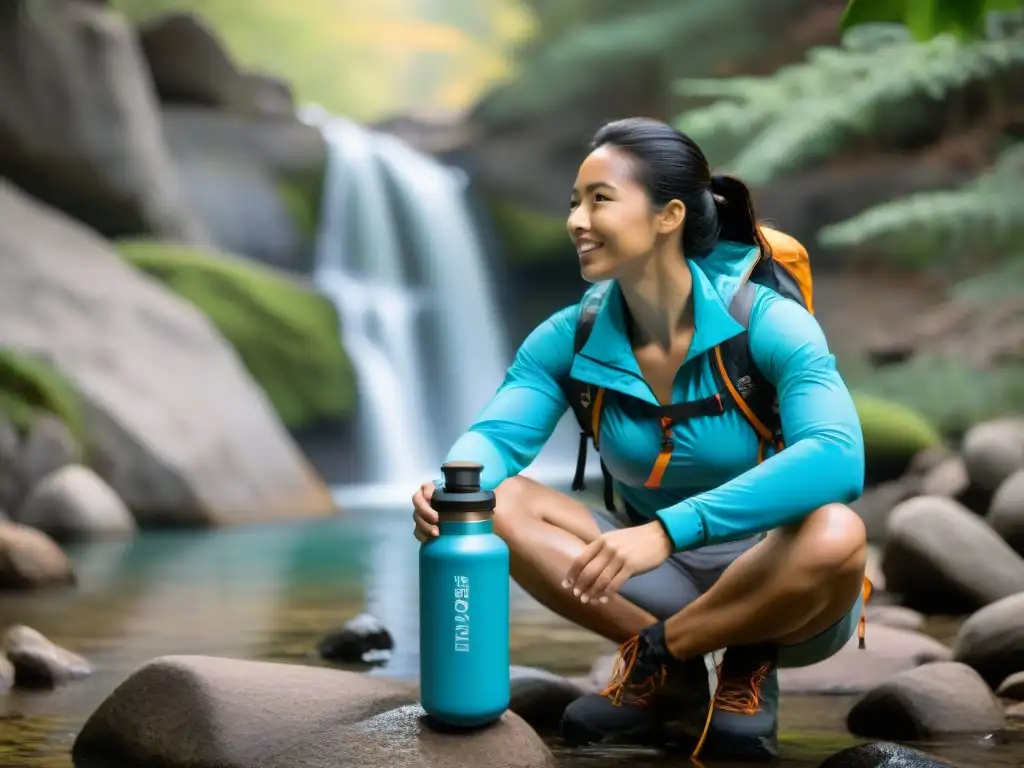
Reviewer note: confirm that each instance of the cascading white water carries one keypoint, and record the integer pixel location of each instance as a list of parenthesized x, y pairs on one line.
[(376, 187), (472, 355), (398, 254)]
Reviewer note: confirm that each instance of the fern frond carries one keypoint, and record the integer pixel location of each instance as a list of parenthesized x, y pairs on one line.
[(805, 112), (1004, 282), (894, 85), (746, 106), (987, 213)]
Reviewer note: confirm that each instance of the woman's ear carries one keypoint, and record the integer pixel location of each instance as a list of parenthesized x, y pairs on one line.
[(671, 217)]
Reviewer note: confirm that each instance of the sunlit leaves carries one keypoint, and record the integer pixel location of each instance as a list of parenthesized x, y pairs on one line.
[(927, 19)]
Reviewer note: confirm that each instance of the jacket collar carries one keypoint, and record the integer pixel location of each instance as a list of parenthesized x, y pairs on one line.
[(607, 359)]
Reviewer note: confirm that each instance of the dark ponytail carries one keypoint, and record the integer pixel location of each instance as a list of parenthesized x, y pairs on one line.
[(670, 166), (737, 218)]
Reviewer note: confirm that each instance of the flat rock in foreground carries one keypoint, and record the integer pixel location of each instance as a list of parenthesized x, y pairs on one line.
[(207, 712)]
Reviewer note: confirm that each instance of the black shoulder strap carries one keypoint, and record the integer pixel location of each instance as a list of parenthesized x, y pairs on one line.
[(581, 396), (747, 380), (579, 393)]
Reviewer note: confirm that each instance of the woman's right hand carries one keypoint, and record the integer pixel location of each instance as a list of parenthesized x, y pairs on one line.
[(423, 514)]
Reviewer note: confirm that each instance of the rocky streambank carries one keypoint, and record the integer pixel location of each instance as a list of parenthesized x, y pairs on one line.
[(931, 671), (147, 376)]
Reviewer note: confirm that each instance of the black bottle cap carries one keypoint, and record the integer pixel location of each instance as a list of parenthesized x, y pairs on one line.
[(460, 490), (462, 476)]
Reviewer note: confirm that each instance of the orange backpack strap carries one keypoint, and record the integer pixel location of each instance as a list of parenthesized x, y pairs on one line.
[(786, 269), (742, 381)]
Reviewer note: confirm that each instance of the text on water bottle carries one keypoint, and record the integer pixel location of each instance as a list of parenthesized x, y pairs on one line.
[(461, 596)]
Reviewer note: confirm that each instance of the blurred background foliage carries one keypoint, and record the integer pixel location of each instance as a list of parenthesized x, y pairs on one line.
[(365, 60)]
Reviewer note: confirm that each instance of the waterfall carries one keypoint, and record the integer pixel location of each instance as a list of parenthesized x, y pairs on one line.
[(398, 255)]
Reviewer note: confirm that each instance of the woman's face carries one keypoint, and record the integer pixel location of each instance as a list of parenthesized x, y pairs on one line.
[(611, 220)]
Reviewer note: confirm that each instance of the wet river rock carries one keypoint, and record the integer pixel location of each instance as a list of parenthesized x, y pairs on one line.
[(944, 559), (37, 662), (991, 641), (207, 712), (362, 639), (880, 755), (932, 700)]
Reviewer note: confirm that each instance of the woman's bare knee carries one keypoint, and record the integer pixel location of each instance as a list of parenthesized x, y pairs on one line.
[(522, 503), (838, 542), (826, 551)]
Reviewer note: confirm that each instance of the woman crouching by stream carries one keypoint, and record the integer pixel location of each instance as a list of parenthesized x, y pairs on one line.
[(737, 553)]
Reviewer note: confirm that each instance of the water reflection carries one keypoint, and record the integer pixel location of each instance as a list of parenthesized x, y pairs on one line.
[(391, 588)]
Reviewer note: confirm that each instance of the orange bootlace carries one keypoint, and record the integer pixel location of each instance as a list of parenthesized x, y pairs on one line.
[(862, 622), (741, 695), (619, 686)]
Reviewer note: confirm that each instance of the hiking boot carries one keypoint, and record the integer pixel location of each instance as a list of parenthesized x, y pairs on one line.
[(745, 722), (653, 698)]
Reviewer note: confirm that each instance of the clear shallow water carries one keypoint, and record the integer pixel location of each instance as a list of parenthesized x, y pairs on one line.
[(270, 592)]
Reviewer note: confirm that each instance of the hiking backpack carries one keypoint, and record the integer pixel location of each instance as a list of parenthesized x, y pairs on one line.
[(786, 270)]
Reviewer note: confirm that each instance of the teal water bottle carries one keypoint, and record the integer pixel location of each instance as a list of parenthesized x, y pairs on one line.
[(464, 611)]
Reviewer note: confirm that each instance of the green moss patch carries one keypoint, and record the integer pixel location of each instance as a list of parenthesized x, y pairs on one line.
[(894, 429), (29, 386), (893, 434), (286, 334)]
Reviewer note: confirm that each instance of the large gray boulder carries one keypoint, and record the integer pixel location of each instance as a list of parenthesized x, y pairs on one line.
[(255, 180), (182, 432), (190, 65), (79, 125)]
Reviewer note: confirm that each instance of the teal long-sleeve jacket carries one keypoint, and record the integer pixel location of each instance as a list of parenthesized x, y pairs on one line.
[(714, 489)]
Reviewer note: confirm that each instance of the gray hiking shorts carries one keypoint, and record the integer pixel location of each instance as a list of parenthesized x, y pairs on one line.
[(686, 575)]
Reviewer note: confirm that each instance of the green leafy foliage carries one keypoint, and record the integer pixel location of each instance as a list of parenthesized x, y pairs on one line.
[(986, 215), (927, 19), (760, 128), (583, 52)]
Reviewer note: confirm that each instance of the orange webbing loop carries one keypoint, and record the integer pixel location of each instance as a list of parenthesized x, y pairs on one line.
[(595, 417), (664, 456)]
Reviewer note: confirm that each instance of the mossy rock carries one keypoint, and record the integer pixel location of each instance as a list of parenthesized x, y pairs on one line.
[(893, 434), (29, 385), (286, 333), (528, 237)]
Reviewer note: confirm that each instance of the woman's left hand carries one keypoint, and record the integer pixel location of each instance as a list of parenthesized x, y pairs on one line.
[(605, 565)]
